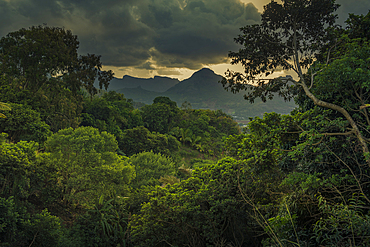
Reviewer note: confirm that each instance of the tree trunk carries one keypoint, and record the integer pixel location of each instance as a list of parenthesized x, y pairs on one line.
[(345, 113)]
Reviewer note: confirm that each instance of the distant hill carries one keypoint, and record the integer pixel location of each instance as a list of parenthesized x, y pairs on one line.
[(204, 91), (156, 84)]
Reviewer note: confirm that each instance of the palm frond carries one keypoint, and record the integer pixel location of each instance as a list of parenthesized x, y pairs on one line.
[(4, 107)]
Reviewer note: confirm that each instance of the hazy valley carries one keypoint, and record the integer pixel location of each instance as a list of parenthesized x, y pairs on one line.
[(202, 90)]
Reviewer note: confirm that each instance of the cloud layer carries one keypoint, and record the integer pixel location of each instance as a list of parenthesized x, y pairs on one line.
[(140, 33), (147, 34)]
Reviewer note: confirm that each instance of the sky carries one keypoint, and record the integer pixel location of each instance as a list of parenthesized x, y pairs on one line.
[(146, 38)]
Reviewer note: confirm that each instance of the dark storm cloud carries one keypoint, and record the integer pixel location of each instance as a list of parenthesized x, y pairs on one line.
[(171, 33), (146, 33), (203, 33)]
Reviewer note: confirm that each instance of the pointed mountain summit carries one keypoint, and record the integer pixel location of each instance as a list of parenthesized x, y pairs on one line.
[(205, 72), (200, 84), (204, 75)]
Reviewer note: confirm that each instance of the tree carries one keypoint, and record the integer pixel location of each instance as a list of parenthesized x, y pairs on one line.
[(23, 123), (320, 149), (111, 112), (18, 228), (290, 36), (15, 162), (103, 225), (150, 167), (203, 210), (87, 165), (42, 54), (161, 115), (140, 139), (358, 26), (205, 129), (56, 105), (165, 100), (40, 67)]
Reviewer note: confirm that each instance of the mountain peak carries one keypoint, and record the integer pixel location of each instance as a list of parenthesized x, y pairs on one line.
[(205, 71)]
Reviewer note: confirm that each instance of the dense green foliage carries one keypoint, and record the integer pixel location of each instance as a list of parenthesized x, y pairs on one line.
[(79, 170), (23, 123), (40, 67), (87, 165), (204, 210), (150, 167), (75, 166), (160, 115), (140, 139), (322, 146)]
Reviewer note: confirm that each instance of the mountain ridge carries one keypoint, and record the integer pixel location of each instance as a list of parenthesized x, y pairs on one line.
[(155, 84), (203, 91)]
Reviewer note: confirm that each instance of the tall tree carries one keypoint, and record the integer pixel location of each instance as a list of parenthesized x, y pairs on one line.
[(40, 66), (290, 37), (161, 115), (87, 165), (43, 56), (23, 123)]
